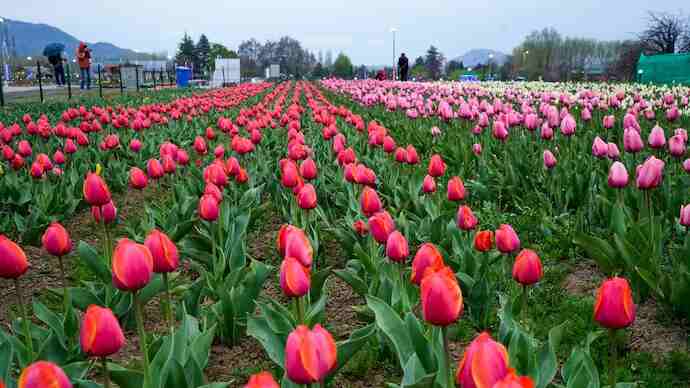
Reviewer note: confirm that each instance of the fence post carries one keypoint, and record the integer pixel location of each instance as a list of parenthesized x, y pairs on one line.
[(122, 87), (40, 80), (2, 84), (136, 72), (69, 82), (100, 82)]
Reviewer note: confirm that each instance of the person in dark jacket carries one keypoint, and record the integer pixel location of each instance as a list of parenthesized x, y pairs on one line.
[(381, 75), (58, 68), (403, 67)]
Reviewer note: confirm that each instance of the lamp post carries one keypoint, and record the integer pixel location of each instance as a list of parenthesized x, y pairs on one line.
[(491, 66), (395, 64)]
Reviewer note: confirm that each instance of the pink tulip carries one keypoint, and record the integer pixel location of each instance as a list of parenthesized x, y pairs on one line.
[(632, 142), (599, 148), (618, 175), (650, 173), (657, 138), (549, 160), (676, 146), (685, 215)]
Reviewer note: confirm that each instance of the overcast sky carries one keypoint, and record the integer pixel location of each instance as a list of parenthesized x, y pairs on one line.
[(359, 28)]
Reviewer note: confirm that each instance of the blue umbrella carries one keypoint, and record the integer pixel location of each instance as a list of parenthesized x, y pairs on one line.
[(53, 49)]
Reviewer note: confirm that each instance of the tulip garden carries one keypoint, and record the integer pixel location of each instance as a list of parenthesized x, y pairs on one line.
[(348, 234)]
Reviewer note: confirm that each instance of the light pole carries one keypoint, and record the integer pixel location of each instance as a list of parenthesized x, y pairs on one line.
[(395, 64), (491, 66)]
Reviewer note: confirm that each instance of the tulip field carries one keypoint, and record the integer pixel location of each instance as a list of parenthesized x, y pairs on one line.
[(348, 233)]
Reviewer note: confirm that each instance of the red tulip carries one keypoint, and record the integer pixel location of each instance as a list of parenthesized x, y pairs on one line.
[(507, 241), (135, 145), (429, 185), (132, 265), (213, 191), (219, 152), (104, 214), (456, 189), (24, 148), (614, 307), (527, 268), (396, 247), (208, 208), (400, 155), (427, 256), (484, 363), (484, 241), (13, 262), (200, 145), (293, 242), (295, 279), (411, 155), (306, 197), (137, 178), (154, 169), (56, 240), (95, 190), (441, 297), (289, 174), (59, 157), (465, 219), (169, 165), (101, 334), (369, 201), (308, 169), (242, 176), (310, 355), (261, 380), (514, 381), (381, 225), (361, 227), (436, 166), (163, 251), (43, 374)]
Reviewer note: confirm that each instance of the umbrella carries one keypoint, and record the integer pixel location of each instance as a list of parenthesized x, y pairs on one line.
[(53, 49)]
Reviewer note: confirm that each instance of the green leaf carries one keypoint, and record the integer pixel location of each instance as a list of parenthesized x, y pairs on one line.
[(126, 378), (547, 362), (353, 280), (393, 327), (415, 376), (347, 349), (94, 262), (273, 344), (52, 320)]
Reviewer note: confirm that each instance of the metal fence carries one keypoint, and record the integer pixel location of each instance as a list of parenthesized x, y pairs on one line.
[(38, 82)]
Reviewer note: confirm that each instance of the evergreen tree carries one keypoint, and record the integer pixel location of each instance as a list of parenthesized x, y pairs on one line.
[(434, 62), (202, 55), (343, 66), (185, 51)]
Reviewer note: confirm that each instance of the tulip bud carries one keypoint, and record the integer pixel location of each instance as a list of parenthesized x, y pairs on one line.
[(632, 142), (436, 166), (618, 175), (685, 215), (132, 265), (440, 296), (507, 241), (657, 139), (411, 155), (429, 185), (104, 214), (96, 192), (360, 227), (465, 219), (261, 380), (293, 242), (154, 169), (308, 169), (649, 174), (43, 374), (614, 307), (295, 278), (427, 256), (56, 240), (208, 208), (514, 381), (381, 225), (484, 241), (456, 189), (369, 201), (477, 149), (484, 363), (101, 334), (396, 247), (310, 355), (306, 197), (137, 178), (163, 251), (13, 262), (549, 160), (289, 174), (527, 268)]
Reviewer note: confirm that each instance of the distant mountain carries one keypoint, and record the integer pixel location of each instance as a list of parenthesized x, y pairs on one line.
[(475, 57), (29, 39)]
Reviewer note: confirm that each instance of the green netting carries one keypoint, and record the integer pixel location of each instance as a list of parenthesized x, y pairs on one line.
[(664, 69)]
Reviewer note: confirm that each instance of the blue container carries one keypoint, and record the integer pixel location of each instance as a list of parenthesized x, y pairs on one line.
[(184, 74)]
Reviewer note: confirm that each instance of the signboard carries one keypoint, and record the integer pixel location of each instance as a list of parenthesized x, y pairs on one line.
[(274, 71), (227, 71)]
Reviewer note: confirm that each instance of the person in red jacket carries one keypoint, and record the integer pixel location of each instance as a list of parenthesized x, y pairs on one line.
[(84, 59), (381, 75)]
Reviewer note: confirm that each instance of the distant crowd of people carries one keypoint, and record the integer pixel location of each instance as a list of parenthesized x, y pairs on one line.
[(83, 55)]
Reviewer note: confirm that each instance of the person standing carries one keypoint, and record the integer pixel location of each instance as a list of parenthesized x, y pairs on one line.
[(403, 67), (58, 68), (84, 59)]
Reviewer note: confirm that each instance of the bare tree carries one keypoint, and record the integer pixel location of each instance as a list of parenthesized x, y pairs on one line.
[(665, 33)]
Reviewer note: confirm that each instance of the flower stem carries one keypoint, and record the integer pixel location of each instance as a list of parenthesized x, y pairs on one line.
[(613, 358), (25, 320), (106, 376), (168, 307), (446, 357), (523, 310), (142, 338), (65, 293)]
